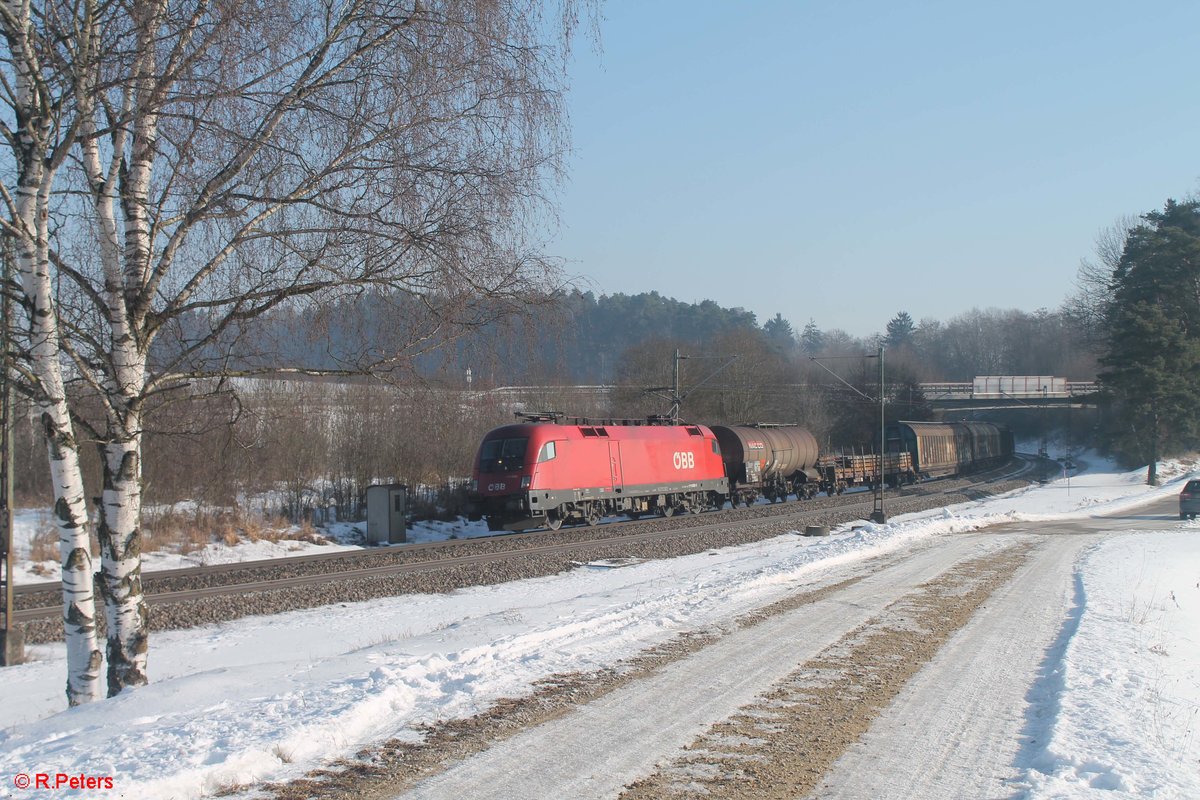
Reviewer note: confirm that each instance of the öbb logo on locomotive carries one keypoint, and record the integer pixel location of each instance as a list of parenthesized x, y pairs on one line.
[(684, 460)]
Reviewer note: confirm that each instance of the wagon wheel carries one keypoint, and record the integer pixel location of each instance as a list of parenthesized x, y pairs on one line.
[(553, 520)]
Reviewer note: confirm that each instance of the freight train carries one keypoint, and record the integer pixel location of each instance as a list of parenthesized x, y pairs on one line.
[(551, 470)]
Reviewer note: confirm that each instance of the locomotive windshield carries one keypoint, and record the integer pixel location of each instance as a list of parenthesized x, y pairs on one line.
[(503, 455)]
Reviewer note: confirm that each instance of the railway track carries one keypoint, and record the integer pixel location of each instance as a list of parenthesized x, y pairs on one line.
[(232, 590)]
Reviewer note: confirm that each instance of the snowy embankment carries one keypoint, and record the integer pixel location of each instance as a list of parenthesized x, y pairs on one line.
[(1127, 690), (270, 698), (36, 548)]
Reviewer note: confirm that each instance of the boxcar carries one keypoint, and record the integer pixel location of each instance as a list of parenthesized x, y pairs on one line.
[(950, 448), (989, 443)]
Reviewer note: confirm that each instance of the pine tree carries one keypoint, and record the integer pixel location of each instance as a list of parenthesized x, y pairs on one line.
[(812, 340), (1152, 363), (780, 334), (900, 330)]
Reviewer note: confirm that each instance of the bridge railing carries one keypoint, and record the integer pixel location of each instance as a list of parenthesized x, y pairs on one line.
[(963, 390)]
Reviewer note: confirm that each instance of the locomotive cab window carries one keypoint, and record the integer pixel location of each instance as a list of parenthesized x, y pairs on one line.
[(503, 455), (547, 452)]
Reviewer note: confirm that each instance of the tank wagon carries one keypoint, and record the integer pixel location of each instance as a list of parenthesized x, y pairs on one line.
[(940, 449), (550, 470), (770, 460)]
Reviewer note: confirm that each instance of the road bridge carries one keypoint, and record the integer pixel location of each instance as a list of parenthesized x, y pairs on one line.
[(1011, 391)]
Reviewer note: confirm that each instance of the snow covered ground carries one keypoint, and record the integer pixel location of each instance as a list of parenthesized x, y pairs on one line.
[(1128, 716), (269, 698), (31, 525)]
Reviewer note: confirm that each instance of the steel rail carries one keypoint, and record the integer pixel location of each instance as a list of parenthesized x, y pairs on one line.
[(624, 533)]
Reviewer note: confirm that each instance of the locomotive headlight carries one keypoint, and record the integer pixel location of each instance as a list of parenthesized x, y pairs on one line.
[(525, 481)]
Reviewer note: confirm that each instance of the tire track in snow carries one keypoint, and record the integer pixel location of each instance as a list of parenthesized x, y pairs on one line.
[(383, 771), (574, 743), (781, 745)]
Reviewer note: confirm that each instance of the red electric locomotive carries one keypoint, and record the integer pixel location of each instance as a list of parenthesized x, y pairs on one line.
[(550, 469)]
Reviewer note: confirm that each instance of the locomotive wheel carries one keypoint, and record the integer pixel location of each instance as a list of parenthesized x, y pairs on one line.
[(592, 516), (667, 510), (553, 521)]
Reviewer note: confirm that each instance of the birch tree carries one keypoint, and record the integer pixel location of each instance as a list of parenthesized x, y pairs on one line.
[(234, 159), (37, 122)]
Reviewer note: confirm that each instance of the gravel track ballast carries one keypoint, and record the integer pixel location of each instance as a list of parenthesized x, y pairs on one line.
[(680, 536)]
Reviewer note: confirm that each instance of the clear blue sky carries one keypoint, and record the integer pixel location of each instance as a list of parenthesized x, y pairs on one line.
[(843, 161)]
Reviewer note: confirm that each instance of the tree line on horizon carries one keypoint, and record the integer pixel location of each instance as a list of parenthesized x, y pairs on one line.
[(579, 337)]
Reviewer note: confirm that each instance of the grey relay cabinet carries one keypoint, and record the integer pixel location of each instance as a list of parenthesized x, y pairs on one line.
[(387, 505)]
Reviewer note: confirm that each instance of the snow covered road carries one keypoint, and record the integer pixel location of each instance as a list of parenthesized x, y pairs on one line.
[(599, 748), (957, 728)]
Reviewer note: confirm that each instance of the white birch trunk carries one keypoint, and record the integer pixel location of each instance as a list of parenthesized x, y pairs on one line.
[(121, 565), (125, 272), (70, 504), (33, 264)]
